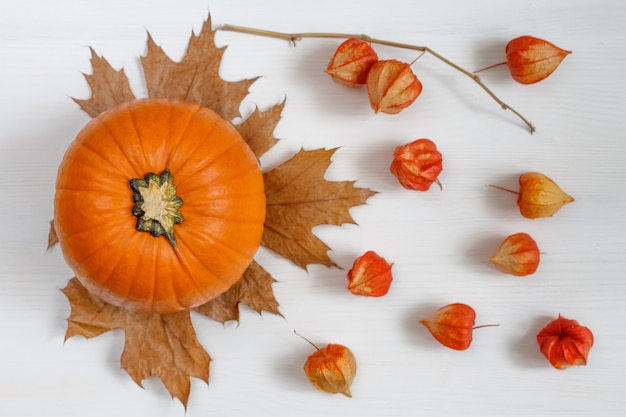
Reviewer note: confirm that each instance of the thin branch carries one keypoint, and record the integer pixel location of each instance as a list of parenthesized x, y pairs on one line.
[(294, 37)]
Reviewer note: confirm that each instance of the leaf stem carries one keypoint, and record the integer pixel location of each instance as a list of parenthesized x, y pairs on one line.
[(490, 67), (417, 57), (504, 189), (306, 340), (485, 325), (294, 37)]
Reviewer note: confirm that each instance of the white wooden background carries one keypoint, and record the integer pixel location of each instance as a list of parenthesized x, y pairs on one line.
[(439, 241)]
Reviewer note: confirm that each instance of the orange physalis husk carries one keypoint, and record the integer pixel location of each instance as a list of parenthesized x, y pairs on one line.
[(370, 275), (331, 369), (539, 196), (417, 164), (351, 62), (452, 325), (518, 255), (565, 343), (392, 86), (530, 59)]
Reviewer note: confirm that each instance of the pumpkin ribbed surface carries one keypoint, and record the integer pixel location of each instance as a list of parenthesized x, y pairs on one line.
[(215, 174)]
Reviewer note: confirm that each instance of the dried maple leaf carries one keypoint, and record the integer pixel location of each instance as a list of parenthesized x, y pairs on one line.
[(258, 129), (109, 87), (298, 199), (196, 77), (53, 239), (254, 289), (161, 345)]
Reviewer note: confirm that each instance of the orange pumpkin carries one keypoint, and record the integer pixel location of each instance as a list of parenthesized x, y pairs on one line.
[(159, 205)]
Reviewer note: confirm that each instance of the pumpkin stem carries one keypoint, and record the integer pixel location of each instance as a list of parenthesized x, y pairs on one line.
[(156, 205)]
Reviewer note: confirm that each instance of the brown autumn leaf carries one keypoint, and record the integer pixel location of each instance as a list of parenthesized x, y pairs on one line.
[(258, 129), (253, 289), (161, 345), (109, 87), (298, 199), (53, 239), (196, 77)]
